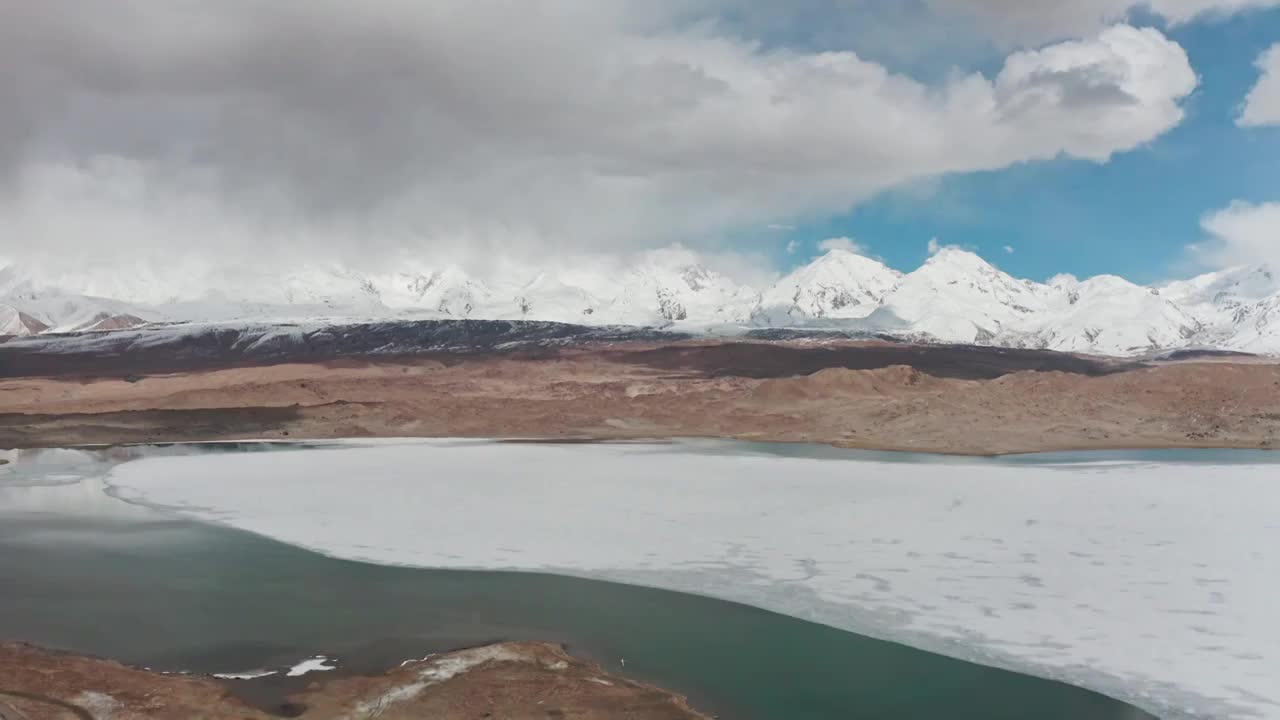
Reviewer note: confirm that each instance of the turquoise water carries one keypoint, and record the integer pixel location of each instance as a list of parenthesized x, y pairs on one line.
[(86, 573)]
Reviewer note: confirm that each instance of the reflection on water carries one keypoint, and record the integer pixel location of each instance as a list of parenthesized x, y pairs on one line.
[(92, 574)]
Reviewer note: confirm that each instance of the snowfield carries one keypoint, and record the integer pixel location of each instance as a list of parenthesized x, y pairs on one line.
[(1152, 582), (954, 297)]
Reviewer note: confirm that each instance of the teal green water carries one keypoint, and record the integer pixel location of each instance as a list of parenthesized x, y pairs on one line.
[(176, 595)]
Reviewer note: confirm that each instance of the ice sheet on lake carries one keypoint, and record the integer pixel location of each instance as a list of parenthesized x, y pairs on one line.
[(1155, 583)]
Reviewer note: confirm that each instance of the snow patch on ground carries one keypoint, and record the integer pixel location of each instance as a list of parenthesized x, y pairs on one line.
[(1152, 582), (101, 705), (319, 663), (435, 672), (449, 667)]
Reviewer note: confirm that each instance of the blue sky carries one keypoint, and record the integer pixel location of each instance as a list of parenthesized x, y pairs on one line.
[(1133, 216)]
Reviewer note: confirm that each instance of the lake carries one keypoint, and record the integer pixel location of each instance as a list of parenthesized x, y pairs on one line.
[(87, 572)]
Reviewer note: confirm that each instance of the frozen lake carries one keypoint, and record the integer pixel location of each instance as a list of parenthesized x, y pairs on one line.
[(1150, 580), (89, 573)]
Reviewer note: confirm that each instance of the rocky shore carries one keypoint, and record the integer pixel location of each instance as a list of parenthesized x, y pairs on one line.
[(516, 681)]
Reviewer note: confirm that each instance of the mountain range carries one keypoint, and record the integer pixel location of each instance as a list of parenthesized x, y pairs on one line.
[(954, 297)]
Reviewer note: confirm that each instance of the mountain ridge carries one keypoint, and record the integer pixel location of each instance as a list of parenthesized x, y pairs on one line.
[(954, 297)]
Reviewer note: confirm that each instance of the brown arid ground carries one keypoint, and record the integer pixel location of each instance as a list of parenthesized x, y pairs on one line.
[(514, 681), (866, 396)]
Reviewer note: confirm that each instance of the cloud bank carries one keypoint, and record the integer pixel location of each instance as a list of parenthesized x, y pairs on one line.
[(1022, 21), (246, 131), (1262, 105), (1243, 233), (842, 243), (909, 30)]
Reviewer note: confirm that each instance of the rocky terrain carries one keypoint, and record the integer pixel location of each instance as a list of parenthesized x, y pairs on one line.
[(545, 381), (516, 680)]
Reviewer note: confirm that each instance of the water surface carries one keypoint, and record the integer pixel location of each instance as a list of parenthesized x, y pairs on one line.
[(88, 573)]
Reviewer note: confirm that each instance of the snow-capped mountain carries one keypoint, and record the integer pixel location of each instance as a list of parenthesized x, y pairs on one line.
[(547, 296), (671, 287), (14, 322), (955, 296), (838, 285), (1258, 328), (1229, 304), (1113, 313), (27, 309), (448, 291), (958, 296)]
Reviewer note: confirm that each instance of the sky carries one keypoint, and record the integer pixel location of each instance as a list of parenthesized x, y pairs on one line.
[(1135, 216), (1097, 136)]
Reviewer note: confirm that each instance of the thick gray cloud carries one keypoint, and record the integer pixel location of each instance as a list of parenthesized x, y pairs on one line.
[(275, 130), (906, 29)]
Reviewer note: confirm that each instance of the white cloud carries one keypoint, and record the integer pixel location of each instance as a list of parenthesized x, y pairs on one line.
[(366, 131), (793, 246), (1262, 105), (1009, 249), (1034, 21), (1243, 233), (781, 227), (842, 243), (943, 30), (934, 246), (1183, 11)]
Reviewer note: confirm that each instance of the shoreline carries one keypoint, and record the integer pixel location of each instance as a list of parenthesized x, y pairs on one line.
[(512, 679), (940, 452)]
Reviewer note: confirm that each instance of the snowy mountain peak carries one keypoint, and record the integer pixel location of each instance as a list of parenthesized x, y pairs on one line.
[(548, 296), (839, 284), (1229, 304), (958, 259), (955, 296), (1111, 312), (965, 273), (14, 322), (1113, 284), (670, 287), (842, 266), (447, 290), (1238, 284), (959, 296)]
